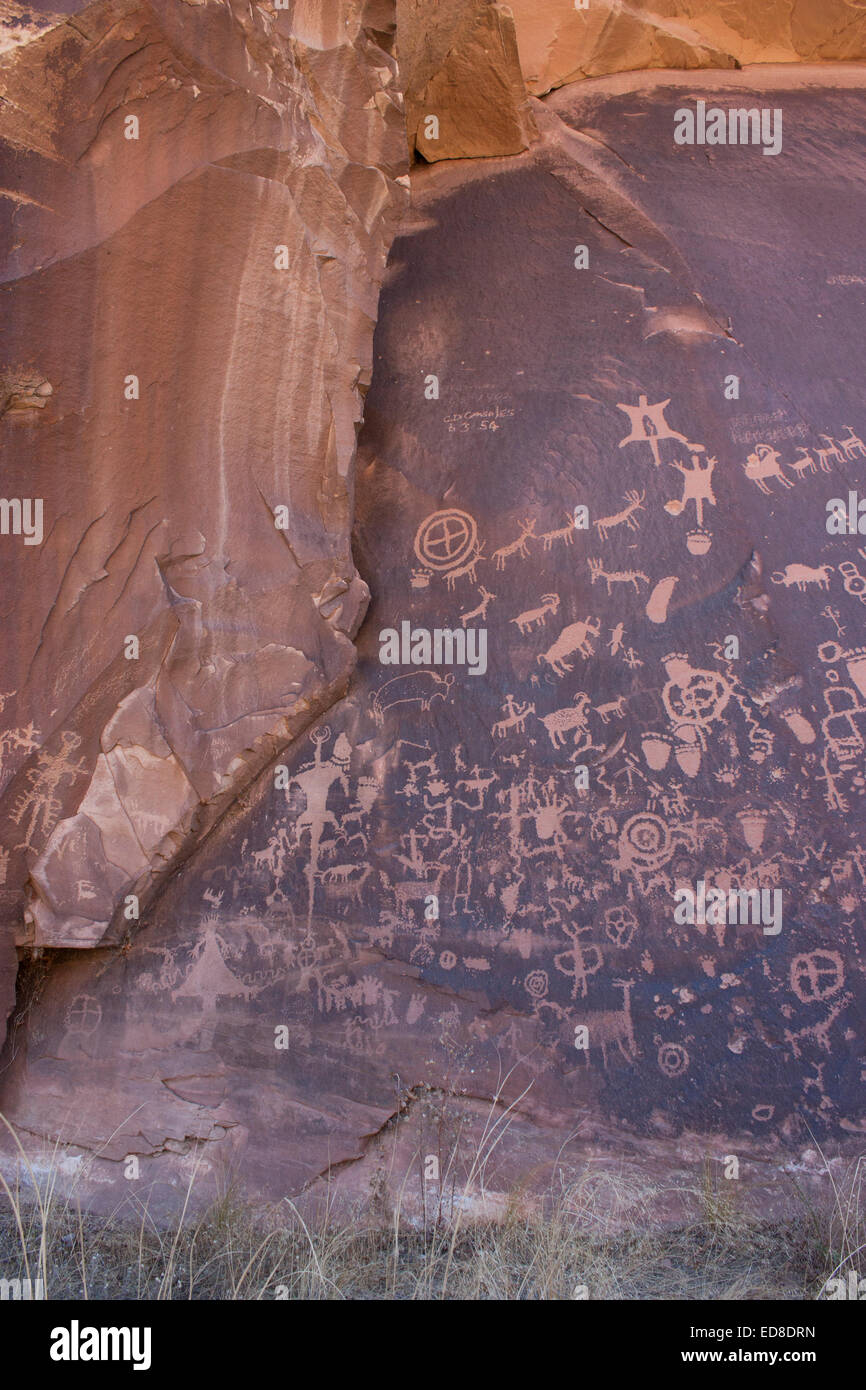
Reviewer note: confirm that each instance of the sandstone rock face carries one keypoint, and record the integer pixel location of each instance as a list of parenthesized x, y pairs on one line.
[(197, 205), (560, 42), (459, 65), (449, 921)]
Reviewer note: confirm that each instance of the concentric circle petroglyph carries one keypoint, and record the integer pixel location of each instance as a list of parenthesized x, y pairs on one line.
[(445, 539)]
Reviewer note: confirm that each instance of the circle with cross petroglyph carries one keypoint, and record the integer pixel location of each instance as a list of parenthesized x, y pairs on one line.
[(445, 539)]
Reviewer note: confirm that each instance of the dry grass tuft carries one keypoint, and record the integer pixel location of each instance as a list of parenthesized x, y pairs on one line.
[(577, 1248)]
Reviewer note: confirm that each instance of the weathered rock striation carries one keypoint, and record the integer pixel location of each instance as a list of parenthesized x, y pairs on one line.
[(198, 202)]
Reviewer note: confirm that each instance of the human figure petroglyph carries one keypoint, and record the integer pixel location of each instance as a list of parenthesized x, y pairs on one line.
[(697, 486), (564, 533), (463, 871), (519, 546), (425, 877), (537, 617), (572, 719), (634, 503), (628, 772), (574, 962), (574, 640), (514, 798), (633, 577), (515, 719), (764, 464), (414, 860), (481, 611), (648, 425), (833, 615), (42, 801), (800, 576), (315, 781)]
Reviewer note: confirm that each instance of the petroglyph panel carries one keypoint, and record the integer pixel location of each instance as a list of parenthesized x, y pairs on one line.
[(501, 881)]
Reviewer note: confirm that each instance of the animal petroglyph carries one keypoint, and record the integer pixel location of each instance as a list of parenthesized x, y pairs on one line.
[(414, 687), (574, 640), (481, 611), (468, 569), (563, 533), (518, 546), (803, 465), (762, 465), (626, 517), (613, 1028), (852, 445), (537, 617), (801, 576), (633, 577), (571, 720), (515, 720), (831, 450), (617, 707)]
